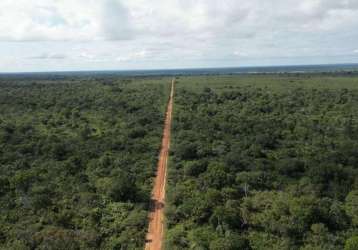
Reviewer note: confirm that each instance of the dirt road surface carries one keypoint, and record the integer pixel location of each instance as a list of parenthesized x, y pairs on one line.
[(154, 238)]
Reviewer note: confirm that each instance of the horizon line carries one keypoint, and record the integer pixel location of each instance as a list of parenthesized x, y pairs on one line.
[(173, 69)]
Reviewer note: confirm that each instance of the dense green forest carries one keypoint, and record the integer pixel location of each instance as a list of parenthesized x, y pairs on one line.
[(257, 162), (264, 162), (77, 160)]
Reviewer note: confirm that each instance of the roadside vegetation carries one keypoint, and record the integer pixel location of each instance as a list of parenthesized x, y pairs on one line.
[(77, 160), (264, 162)]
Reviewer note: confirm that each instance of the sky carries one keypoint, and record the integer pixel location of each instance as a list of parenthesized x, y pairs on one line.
[(71, 35)]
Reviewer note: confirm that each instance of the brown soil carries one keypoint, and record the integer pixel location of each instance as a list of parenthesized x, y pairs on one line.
[(154, 238)]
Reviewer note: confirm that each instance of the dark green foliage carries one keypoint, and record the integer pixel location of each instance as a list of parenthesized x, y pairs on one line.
[(77, 159), (264, 165)]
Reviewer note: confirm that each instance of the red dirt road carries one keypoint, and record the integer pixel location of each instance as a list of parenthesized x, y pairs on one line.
[(154, 238)]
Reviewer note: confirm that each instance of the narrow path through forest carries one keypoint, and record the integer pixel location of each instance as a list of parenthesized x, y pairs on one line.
[(154, 238)]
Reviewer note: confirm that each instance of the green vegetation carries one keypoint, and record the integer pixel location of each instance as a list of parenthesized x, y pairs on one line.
[(264, 162), (77, 160), (257, 162)]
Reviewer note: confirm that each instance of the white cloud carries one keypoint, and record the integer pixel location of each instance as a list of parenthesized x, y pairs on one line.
[(138, 55), (39, 20), (241, 54), (114, 20), (49, 56), (74, 20), (161, 33)]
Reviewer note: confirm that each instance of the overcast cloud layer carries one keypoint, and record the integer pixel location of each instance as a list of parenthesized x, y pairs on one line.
[(48, 35)]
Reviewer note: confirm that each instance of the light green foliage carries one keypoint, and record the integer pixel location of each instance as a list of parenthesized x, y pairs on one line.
[(352, 243), (351, 206)]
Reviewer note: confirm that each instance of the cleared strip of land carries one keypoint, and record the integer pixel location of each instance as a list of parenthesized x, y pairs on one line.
[(154, 238)]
